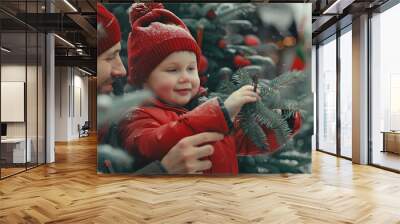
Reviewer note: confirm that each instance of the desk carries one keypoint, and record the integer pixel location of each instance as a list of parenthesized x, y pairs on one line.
[(391, 141), (13, 150)]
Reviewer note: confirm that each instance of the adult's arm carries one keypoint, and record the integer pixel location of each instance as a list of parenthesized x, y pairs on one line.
[(185, 157)]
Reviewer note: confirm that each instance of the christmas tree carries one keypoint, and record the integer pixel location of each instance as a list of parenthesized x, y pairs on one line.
[(240, 48), (110, 110), (228, 34)]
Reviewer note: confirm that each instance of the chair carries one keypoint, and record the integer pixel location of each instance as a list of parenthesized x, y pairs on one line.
[(84, 130)]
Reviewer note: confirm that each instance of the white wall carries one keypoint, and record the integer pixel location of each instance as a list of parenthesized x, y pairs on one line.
[(13, 72), (61, 103), (71, 94), (80, 100), (12, 101)]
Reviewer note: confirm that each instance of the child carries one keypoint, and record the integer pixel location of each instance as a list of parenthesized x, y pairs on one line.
[(109, 66), (164, 58)]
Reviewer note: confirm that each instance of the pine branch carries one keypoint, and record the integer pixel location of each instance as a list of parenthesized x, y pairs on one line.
[(118, 160), (289, 107), (302, 158), (243, 49), (228, 11), (275, 121), (239, 25), (253, 130), (222, 96), (274, 164), (243, 76), (207, 7), (255, 114), (226, 87), (112, 108), (234, 39), (260, 60), (286, 79)]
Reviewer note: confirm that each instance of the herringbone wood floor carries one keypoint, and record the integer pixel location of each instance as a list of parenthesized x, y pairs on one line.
[(70, 191)]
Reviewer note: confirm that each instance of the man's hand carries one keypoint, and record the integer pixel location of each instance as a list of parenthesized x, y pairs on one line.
[(184, 157)]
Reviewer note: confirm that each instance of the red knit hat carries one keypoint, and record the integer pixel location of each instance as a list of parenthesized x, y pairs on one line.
[(108, 30), (156, 33)]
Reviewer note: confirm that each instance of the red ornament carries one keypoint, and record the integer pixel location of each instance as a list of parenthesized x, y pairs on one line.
[(297, 123), (272, 140), (200, 33), (298, 64), (251, 40), (203, 80), (211, 14), (203, 64), (239, 61), (222, 43)]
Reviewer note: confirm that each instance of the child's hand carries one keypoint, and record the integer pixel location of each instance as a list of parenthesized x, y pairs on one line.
[(240, 97)]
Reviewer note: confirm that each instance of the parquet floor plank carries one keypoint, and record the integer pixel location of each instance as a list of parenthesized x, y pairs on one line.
[(70, 191)]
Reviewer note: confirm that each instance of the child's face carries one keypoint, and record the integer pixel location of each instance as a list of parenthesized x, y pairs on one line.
[(175, 80)]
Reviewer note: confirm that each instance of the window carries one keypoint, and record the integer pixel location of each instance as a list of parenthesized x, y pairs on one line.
[(346, 75), (22, 75), (385, 88), (327, 96)]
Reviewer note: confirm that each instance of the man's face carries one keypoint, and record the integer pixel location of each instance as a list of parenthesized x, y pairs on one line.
[(109, 66)]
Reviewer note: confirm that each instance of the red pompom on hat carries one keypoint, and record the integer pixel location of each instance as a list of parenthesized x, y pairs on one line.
[(156, 33), (108, 30), (140, 9)]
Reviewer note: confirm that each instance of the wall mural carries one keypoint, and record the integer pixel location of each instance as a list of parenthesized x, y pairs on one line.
[(204, 88)]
